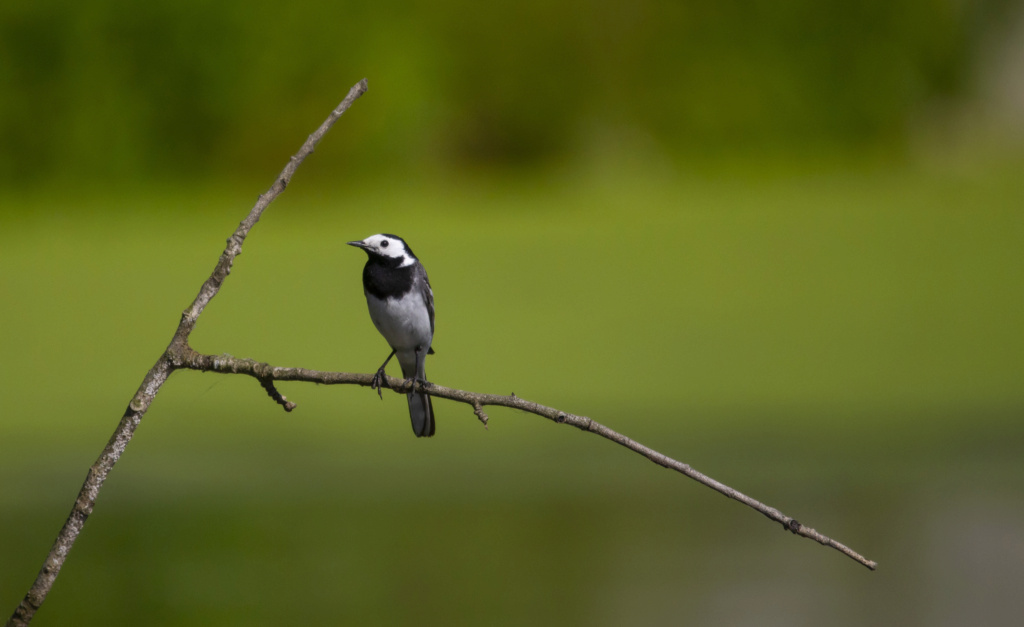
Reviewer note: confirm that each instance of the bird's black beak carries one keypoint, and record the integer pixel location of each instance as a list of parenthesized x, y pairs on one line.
[(358, 244)]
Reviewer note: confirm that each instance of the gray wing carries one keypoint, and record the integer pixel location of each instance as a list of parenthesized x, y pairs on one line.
[(428, 294)]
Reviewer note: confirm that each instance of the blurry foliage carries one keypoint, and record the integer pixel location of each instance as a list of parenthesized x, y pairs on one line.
[(163, 89), (846, 344)]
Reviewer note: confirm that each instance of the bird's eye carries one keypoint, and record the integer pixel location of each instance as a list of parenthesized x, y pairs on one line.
[(384, 244)]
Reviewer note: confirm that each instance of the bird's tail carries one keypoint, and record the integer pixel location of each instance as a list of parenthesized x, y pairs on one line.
[(421, 410)]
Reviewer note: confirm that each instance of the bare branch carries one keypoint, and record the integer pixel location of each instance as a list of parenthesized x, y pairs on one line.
[(263, 371), (158, 374)]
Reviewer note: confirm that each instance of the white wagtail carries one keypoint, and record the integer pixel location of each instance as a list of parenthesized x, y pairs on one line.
[(401, 306)]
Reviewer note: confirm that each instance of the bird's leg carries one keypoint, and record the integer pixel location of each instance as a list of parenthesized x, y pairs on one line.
[(380, 380), (420, 356)]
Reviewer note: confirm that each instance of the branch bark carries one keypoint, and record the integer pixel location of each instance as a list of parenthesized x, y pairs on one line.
[(179, 355)]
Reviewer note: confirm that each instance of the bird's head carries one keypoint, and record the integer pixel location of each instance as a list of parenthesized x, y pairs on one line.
[(386, 247)]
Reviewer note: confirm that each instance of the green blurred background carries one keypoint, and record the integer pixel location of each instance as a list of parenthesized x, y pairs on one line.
[(780, 241)]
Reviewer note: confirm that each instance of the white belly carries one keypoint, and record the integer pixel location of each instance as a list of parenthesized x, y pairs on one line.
[(404, 322)]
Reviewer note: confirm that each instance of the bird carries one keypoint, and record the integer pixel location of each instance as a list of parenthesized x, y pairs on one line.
[(401, 305)]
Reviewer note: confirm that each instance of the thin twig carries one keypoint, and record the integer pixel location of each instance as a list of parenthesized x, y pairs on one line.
[(158, 374), (262, 371), (478, 409)]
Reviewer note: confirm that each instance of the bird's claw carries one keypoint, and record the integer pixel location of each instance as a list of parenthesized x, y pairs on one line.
[(422, 382), (379, 380)]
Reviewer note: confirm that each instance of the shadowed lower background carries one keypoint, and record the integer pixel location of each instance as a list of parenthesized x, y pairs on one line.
[(780, 242)]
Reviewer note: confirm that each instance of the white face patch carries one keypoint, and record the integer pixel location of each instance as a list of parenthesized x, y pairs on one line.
[(390, 247)]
